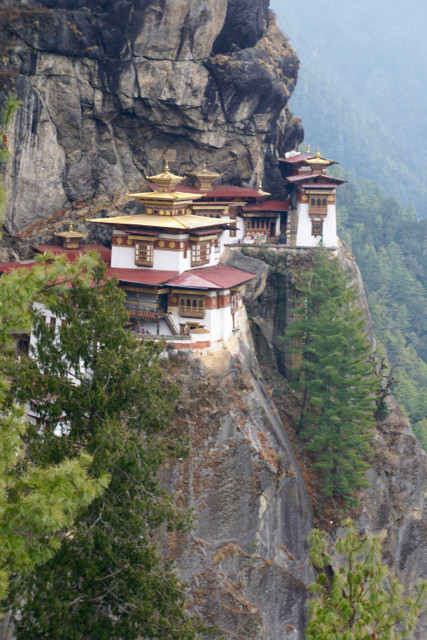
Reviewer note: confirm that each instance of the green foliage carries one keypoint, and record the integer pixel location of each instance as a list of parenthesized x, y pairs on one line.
[(108, 393), (43, 283), (10, 107), (38, 504), (359, 601), (336, 376), (390, 246)]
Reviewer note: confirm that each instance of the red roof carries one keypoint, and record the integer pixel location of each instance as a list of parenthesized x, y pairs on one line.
[(319, 185), (180, 188), (8, 267), (218, 277), (141, 276), (230, 191), (73, 254), (268, 205), (299, 158), (217, 191), (310, 176)]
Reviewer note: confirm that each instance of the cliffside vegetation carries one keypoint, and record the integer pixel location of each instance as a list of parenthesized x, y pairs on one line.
[(335, 375), (390, 246), (352, 604), (38, 503), (105, 393)]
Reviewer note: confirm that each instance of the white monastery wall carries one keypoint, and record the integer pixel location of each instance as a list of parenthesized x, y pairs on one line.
[(277, 232), (304, 237)]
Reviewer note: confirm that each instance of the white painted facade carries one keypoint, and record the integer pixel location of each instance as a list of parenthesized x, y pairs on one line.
[(304, 230), (217, 321), (123, 256)]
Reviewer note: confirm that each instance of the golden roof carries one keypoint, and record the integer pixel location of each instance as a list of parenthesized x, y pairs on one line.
[(170, 197), (70, 233), (317, 160), (185, 222), (203, 173), (166, 177)]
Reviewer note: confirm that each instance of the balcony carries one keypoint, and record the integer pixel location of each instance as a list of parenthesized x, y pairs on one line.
[(318, 211), (144, 310), (190, 312)]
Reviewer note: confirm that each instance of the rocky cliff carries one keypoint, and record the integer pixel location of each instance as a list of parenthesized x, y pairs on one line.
[(395, 504), (110, 88)]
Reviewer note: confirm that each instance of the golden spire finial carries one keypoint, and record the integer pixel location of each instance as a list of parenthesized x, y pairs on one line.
[(308, 148), (318, 153), (70, 228), (166, 165), (204, 165)]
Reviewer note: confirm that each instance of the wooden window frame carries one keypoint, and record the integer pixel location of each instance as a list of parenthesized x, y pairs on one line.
[(191, 306), (144, 253), (200, 253), (318, 206), (316, 227)]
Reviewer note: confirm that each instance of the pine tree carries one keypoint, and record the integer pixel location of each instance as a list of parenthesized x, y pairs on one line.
[(337, 377), (358, 601), (38, 504), (108, 580)]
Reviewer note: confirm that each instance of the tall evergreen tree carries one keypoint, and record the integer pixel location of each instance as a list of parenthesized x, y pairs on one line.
[(108, 395), (336, 375), (38, 503)]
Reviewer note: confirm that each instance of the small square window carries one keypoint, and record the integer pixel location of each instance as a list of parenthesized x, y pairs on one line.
[(317, 228)]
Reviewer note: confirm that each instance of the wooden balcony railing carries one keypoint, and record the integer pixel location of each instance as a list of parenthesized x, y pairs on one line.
[(318, 211), (190, 312), (144, 310)]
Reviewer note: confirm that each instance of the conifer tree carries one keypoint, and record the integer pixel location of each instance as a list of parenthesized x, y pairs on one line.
[(336, 376), (108, 580), (358, 601), (38, 504)]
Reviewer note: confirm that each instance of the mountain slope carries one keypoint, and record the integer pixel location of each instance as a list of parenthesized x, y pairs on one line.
[(361, 93)]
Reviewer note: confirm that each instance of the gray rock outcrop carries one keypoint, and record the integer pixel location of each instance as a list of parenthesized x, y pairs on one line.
[(245, 561), (110, 89)]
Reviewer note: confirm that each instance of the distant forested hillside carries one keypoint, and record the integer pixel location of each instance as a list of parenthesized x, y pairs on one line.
[(361, 92), (390, 246)]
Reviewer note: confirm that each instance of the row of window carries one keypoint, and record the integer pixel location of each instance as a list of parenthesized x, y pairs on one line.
[(200, 253), (319, 202), (192, 307), (195, 307)]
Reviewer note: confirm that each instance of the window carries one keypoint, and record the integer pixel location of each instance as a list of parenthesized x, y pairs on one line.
[(192, 307), (52, 322), (216, 245), (200, 253), (233, 231), (144, 254), (235, 297), (317, 227), (318, 206)]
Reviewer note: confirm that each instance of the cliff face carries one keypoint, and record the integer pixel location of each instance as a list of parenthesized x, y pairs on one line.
[(246, 559), (395, 504), (111, 88)]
